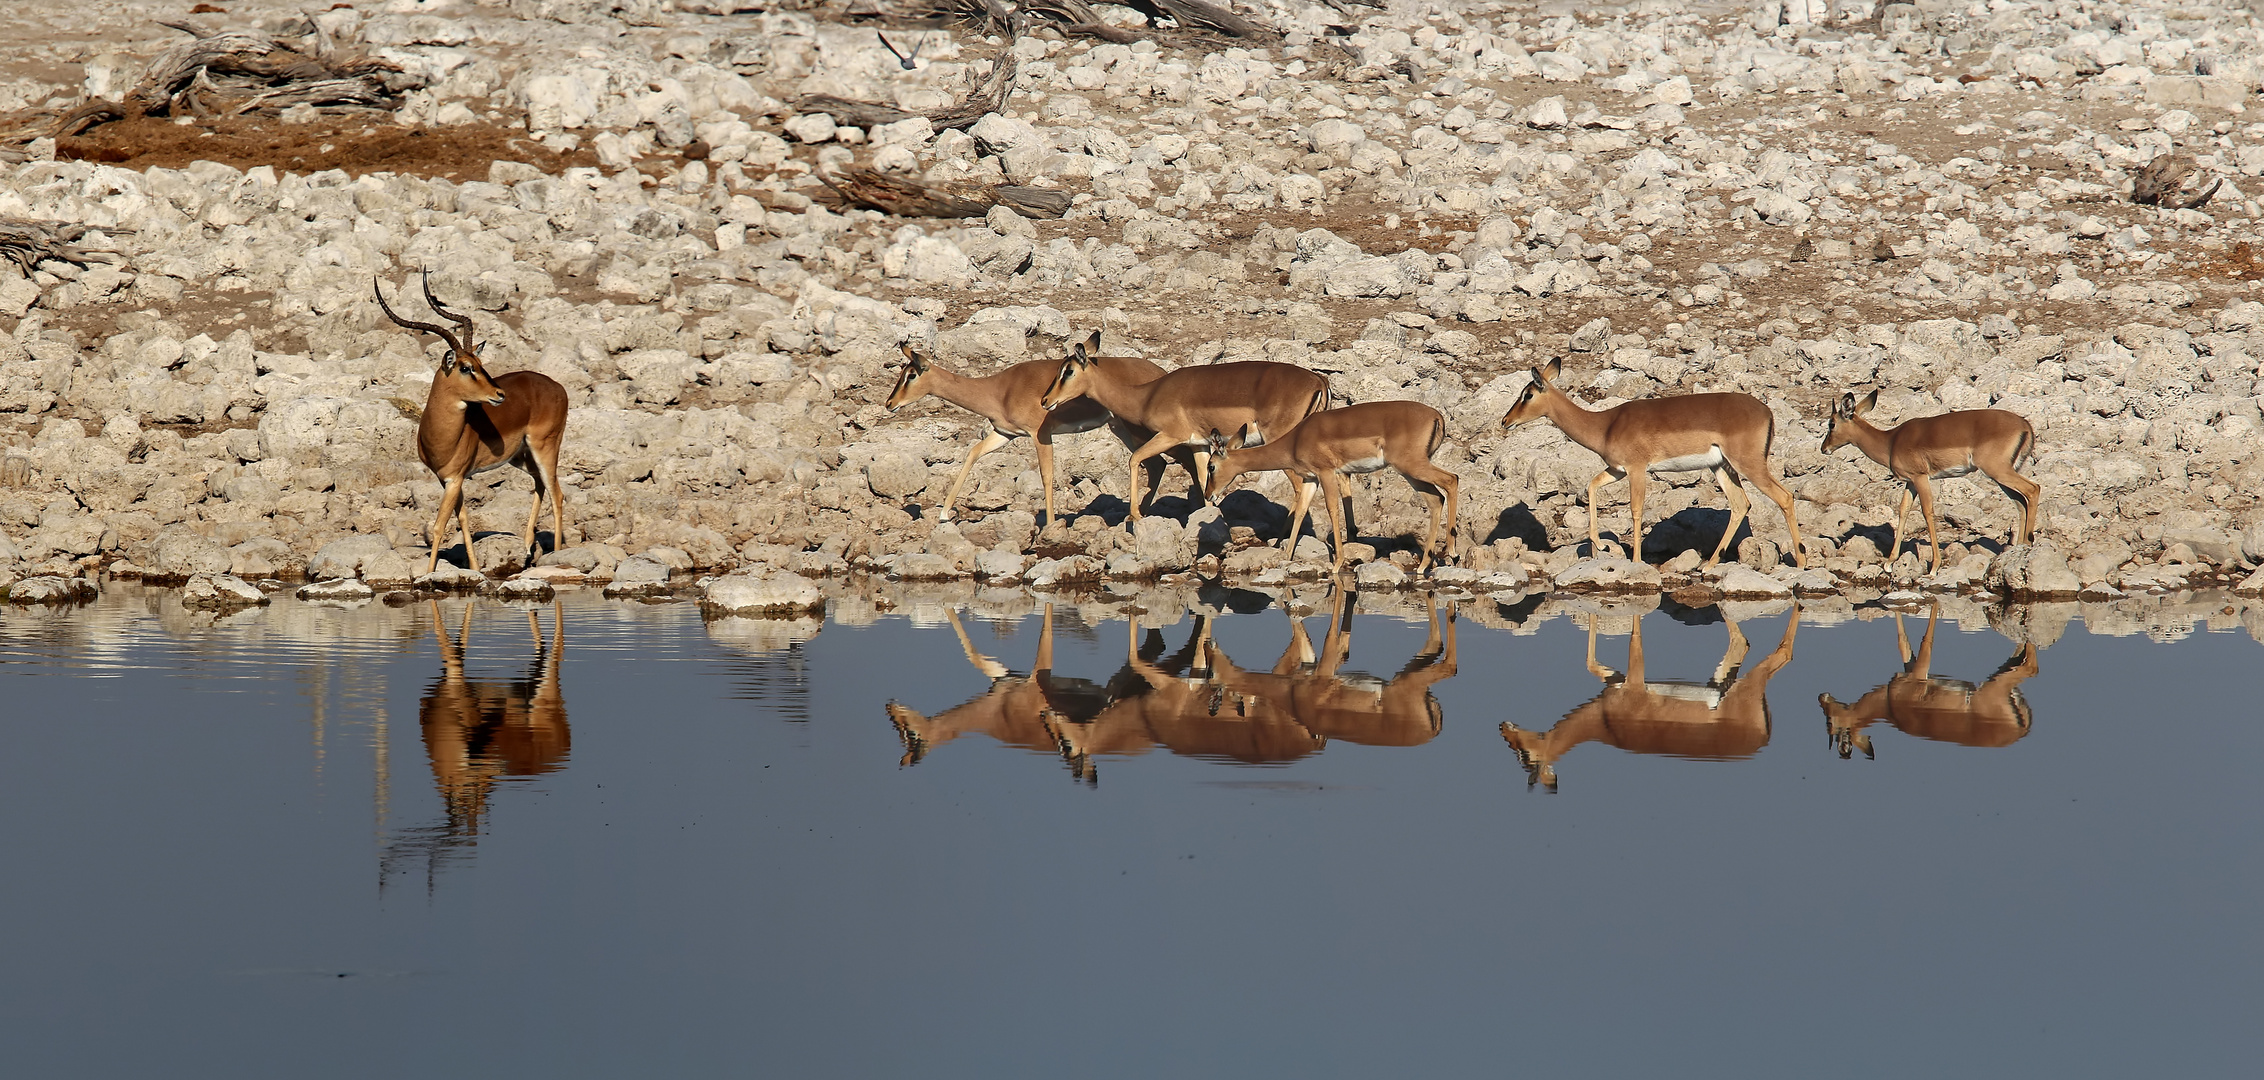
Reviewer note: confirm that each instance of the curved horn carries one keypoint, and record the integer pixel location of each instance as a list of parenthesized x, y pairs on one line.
[(464, 321), (429, 328)]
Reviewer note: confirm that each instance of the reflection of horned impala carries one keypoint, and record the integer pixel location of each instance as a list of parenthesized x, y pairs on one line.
[(1945, 710), (1356, 709), (480, 731), (1724, 717)]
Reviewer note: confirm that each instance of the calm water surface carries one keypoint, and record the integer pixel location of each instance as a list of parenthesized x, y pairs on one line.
[(607, 839)]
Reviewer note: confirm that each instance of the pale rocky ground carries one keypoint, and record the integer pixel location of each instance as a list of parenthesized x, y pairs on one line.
[(1924, 200)]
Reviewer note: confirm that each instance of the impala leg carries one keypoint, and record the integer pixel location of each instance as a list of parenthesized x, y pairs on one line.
[(547, 460), (1733, 653), (1602, 673), (451, 497), (1149, 449), (1782, 496), (464, 522), (1305, 489), (1332, 492), (1439, 483), (1734, 492), (1635, 481), (1595, 535), (534, 513), (1925, 489), (1043, 439), (2021, 490), (990, 441), (1902, 514)]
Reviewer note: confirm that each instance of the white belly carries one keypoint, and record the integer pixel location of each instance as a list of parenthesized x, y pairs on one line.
[(1711, 459), (1362, 465), (1694, 692), (1955, 470)]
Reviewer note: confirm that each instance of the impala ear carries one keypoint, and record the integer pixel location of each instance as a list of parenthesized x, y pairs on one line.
[(1555, 368), (1077, 354), (1870, 401), (1093, 342)]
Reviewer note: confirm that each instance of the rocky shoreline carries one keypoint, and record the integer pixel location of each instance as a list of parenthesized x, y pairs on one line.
[(1928, 200)]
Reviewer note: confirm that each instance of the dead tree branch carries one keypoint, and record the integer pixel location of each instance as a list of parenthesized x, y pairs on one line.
[(989, 97), (28, 243)]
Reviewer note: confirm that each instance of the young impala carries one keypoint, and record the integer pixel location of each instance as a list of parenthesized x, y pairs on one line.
[(1009, 400), (473, 423), (1992, 441), (1728, 435), (1354, 439), (1258, 397)]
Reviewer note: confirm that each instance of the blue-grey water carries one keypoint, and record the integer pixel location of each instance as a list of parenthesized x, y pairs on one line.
[(364, 842)]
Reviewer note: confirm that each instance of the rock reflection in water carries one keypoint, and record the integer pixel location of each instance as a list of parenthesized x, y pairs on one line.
[(1194, 702), (1724, 717), (481, 731), (1944, 710)]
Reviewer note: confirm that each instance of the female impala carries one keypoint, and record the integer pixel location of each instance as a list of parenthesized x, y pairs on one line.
[(1354, 439), (1993, 441), (1009, 400), (1258, 397), (473, 423), (1725, 434)]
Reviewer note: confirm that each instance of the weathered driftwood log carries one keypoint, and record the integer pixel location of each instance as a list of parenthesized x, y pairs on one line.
[(225, 72), (240, 71), (988, 97), (2167, 182), (27, 243), (850, 111), (1202, 13), (860, 186), (1031, 202)]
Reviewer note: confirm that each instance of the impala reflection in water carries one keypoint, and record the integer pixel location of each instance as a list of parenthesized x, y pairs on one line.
[(1723, 717), (478, 732), (1914, 702), (1355, 708), (1195, 702)]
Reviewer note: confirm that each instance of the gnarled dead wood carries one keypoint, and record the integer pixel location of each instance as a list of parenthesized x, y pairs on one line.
[(1031, 202), (1209, 16), (27, 243), (850, 111), (225, 72), (860, 186), (988, 97)]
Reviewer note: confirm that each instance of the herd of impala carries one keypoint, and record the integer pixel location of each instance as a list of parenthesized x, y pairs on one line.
[(1220, 421), (1197, 703), (1261, 416)]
